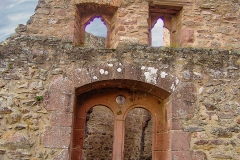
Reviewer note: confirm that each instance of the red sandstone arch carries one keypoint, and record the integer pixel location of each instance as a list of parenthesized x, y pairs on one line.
[(106, 96), (63, 97)]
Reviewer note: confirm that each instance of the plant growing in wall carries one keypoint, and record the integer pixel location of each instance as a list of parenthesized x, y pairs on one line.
[(39, 98), (9, 66)]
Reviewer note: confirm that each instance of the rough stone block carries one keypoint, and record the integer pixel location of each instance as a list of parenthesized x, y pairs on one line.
[(63, 155), (161, 155), (186, 36), (78, 137), (57, 137), (162, 142), (180, 141), (61, 119), (182, 155), (60, 96)]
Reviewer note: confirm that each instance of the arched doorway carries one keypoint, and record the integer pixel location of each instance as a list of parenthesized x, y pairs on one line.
[(120, 101)]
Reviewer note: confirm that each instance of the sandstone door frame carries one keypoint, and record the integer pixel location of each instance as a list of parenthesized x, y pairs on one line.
[(133, 99), (61, 99)]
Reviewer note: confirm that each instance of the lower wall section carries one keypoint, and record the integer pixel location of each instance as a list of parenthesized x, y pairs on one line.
[(41, 77)]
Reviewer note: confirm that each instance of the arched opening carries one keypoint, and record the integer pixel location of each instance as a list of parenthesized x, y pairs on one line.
[(160, 34), (99, 133), (164, 25), (138, 134), (96, 33), (152, 137), (87, 12), (157, 33)]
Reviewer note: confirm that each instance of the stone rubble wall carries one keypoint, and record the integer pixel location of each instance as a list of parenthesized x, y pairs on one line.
[(215, 23), (30, 64), (138, 134), (99, 133)]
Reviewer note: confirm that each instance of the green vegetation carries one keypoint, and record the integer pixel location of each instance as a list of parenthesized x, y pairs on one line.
[(9, 66), (39, 98)]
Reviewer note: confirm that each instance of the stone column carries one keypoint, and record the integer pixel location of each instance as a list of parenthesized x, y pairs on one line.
[(118, 145)]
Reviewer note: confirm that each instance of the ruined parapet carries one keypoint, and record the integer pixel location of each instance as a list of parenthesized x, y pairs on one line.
[(190, 23)]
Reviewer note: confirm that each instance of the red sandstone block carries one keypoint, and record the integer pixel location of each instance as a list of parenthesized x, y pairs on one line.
[(176, 124), (168, 107), (60, 96), (131, 73), (167, 83), (161, 155), (78, 138), (180, 141), (61, 119), (159, 92), (181, 155), (182, 109), (161, 127), (186, 36), (79, 123), (161, 142), (76, 154), (57, 137)]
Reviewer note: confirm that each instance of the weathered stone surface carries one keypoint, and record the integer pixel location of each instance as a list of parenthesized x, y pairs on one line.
[(186, 36), (193, 129), (57, 137), (42, 71), (63, 155), (199, 155), (222, 133), (15, 140), (182, 145)]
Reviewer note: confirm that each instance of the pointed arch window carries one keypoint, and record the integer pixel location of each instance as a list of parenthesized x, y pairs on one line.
[(87, 12), (163, 25)]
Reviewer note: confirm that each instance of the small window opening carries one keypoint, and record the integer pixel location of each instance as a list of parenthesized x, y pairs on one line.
[(96, 33), (157, 33), (138, 134), (97, 28), (98, 137), (160, 34)]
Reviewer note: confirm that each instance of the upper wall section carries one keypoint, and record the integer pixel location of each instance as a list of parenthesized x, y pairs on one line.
[(115, 3), (207, 24)]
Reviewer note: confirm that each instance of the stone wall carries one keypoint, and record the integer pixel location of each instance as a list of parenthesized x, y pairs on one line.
[(98, 138), (36, 72), (138, 135), (192, 23)]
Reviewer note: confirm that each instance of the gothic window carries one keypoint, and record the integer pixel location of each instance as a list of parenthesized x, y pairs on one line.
[(96, 33), (163, 24), (85, 13)]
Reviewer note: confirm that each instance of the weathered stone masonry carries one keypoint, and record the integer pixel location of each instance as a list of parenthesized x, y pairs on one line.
[(192, 23), (202, 110), (49, 84)]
